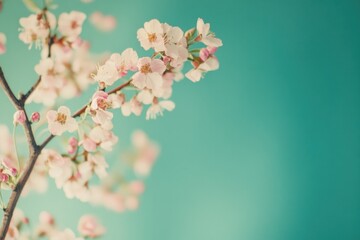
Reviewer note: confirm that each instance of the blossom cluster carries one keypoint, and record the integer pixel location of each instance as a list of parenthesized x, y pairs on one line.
[(66, 65), (88, 227), (66, 69), (9, 164), (153, 77)]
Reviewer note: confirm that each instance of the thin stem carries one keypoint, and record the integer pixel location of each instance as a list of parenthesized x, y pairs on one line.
[(24, 97), (15, 147), (82, 110), (1, 198)]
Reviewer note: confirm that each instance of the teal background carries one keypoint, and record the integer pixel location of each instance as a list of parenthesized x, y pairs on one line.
[(266, 148)]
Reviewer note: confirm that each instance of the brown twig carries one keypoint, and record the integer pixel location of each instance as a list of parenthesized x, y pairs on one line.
[(82, 110), (34, 151)]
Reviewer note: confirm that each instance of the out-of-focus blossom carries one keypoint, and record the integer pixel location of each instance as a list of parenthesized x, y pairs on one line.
[(2, 43), (70, 24), (90, 227), (100, 137), (50, 72), (36, 28), (102, 22), (94, 164), (60, 121), (67, 234), (72, 145), (146, 153), (60, 168), (65, 75), (133, 106)]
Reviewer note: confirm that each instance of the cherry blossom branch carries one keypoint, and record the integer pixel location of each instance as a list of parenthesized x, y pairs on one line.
[(82, 110), (34, 151), (25, 96)]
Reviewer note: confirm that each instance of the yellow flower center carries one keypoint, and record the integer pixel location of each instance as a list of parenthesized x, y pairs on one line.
[(145, 68), (152, 37), (61, 118), (103, 104)]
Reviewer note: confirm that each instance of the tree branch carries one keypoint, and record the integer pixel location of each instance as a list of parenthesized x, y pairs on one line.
[(82, 110), (34, 151)]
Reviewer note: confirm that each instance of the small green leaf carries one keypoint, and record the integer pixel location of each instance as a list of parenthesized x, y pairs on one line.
[(32, 6)]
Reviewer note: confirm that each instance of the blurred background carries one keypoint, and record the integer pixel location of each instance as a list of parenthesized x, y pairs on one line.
[(265, 148)]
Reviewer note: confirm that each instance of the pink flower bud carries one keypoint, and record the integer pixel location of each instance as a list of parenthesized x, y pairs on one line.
[(4, 177), (73, 145), (13, 171), (19, 117), (204, 54), (35, 117), (212, 50), (166, 59)]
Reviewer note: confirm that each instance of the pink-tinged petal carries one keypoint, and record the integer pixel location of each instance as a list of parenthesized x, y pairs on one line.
[(204, 54), (153, 26), (2, 48), (209, 65), (145, 97), (132, 203), (158, 66), (51, 115), (64, 110), (200, 25), (100, 94), (194, 75), (136, 106), (103, 116), (55, 128), (143, 61), (212, 41), (143, 38), (96, 134), (154, 80), (130, 58), (126, 109), (51, 19), (137, 187), (175, 34), (139, 80), (71, 125), (89, 145), (168, 105)]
